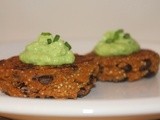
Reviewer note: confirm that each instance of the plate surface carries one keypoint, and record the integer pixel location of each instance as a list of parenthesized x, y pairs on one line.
[(106, 99)]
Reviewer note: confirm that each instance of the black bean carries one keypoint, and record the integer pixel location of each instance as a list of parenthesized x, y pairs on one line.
[(127, 68), (44, 79), (6, 93), (25, 90), (74, 67), (150, 74), (82, 92), (21, 85), (18, 84), (124, 66), (92, 79), (146, 66)]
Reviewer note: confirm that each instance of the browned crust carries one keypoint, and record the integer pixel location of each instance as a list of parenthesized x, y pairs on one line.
[(67, 81), (75, 80), (144, 63)]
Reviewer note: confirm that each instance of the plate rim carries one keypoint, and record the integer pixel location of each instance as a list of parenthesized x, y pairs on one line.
[(83, 107)]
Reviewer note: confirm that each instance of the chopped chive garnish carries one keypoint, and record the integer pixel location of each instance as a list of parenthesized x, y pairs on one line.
[(68, 45), (56, 38), (126, 36), (116, 36), (49, 41), (46, 33), (119, 31)]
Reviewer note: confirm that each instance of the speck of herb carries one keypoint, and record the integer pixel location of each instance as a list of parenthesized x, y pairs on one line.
[(116, 35), (126, 36), (46, 33), (68, 45), (56, 38), (49, 41), (120, 31)]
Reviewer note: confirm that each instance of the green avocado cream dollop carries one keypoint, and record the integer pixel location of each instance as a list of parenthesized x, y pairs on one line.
[(116, 43), (48, 50)]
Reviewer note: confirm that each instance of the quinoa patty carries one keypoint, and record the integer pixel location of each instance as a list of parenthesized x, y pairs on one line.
[(67, 81), (144, 63)]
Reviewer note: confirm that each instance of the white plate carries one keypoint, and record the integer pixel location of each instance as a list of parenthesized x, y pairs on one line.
[(105, 100)]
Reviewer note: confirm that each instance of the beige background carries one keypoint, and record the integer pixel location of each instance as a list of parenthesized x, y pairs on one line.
[(78, 19)]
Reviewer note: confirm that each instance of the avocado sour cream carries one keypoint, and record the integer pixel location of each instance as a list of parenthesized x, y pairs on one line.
[(116, 43), (48, 50)]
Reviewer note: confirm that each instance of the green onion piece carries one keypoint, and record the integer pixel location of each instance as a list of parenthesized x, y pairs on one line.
[(49, 41), (68, 45), (126, 36), (56, 38), (46, 33), (120, 31), (116, 35)]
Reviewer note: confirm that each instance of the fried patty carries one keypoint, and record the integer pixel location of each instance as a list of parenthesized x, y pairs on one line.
[(75, 80), (67, 81), (144, 63)]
